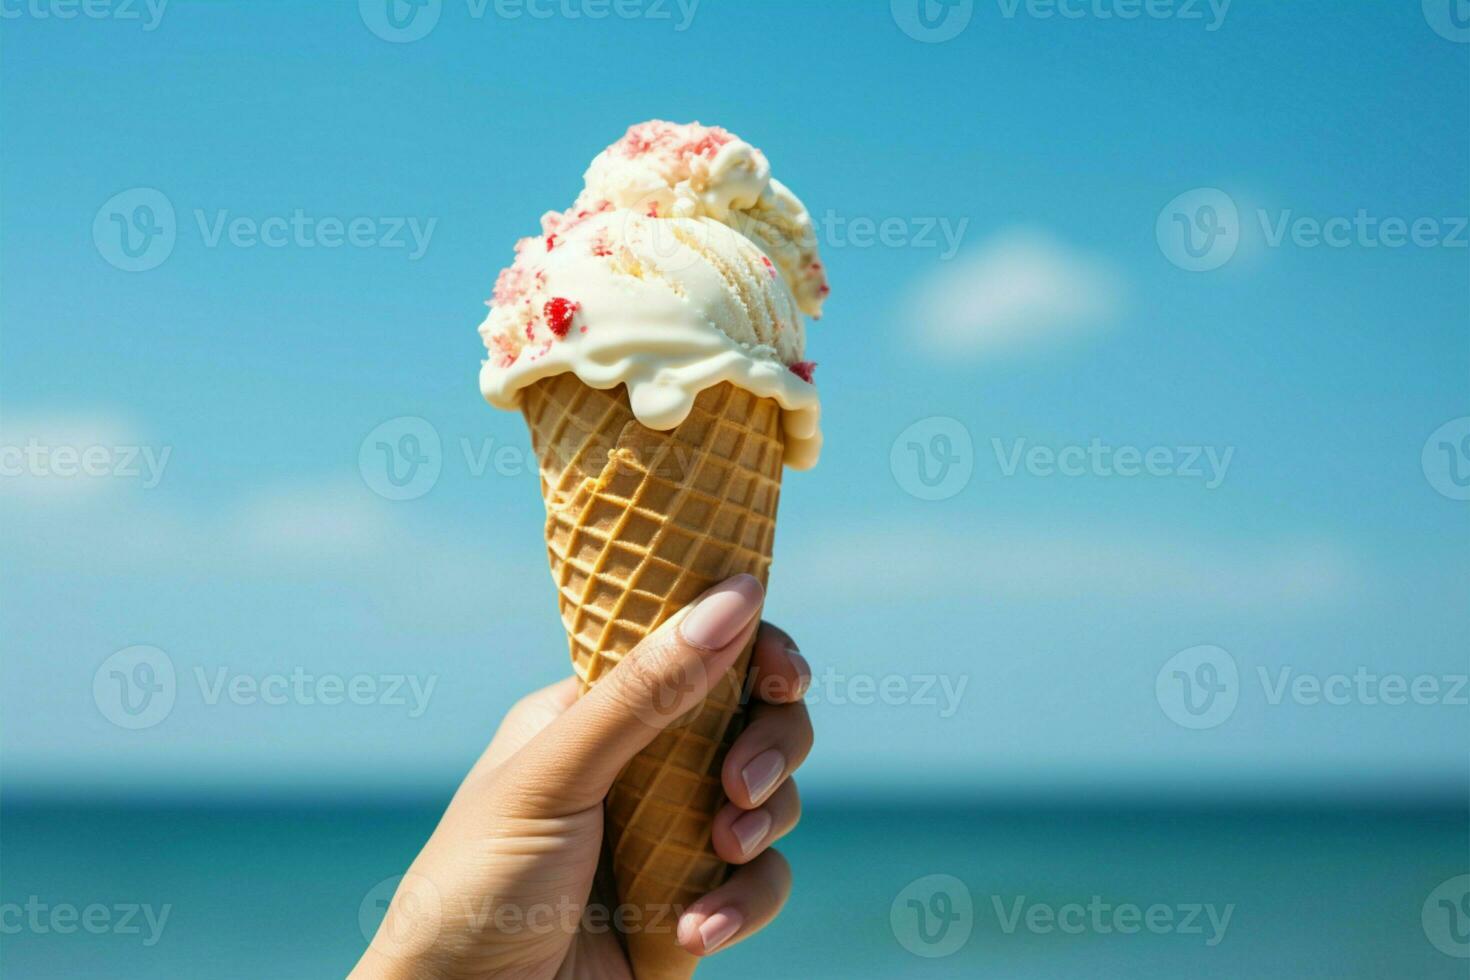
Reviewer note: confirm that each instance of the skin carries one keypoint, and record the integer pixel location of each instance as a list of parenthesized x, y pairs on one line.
[(512, 882)]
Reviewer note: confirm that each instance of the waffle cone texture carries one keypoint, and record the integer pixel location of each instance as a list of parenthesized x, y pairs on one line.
[(639, 523)]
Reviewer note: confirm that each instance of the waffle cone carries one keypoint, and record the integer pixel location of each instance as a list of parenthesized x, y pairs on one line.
[(639, 523)]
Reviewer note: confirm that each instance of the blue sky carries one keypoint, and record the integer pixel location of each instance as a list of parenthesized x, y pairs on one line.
[(1028, 171)]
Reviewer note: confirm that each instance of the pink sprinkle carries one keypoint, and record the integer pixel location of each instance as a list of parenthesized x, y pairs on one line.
[(505, 350)]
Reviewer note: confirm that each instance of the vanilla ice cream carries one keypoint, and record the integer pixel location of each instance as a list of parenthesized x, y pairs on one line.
[(682, 264)]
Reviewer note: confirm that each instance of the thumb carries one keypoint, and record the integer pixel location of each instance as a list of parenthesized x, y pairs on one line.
[(572, 763)]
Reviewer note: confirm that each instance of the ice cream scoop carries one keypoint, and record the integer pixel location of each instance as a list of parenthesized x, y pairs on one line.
[(681, 265)]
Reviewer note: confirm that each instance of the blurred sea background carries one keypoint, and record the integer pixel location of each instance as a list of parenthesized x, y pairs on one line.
[(1134, 574)]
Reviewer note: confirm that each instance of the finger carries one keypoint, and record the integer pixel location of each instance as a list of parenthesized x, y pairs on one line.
[(779, 673), (571, 765), (739, 835), (739, 908), (775, 741), (529, 716)]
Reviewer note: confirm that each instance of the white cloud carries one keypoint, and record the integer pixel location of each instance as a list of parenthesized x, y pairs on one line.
[(308, 523), (1021, 288)]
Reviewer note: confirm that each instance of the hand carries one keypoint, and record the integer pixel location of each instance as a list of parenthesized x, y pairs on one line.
[(508, 883)]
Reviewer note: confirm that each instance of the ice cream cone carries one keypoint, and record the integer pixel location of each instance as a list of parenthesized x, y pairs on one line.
[(640, 522)]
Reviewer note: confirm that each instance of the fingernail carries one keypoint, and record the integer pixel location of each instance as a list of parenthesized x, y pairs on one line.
[(720, 616), (803, 669), (718, 928), (762, 773), (750, 829)]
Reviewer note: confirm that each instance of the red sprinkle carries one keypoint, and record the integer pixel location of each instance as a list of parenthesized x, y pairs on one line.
[(804, 370), (769, 267), (653, 210), (559, 313), (550, 242)]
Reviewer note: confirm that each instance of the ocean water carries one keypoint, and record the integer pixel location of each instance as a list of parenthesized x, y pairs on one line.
[(279, 890)]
